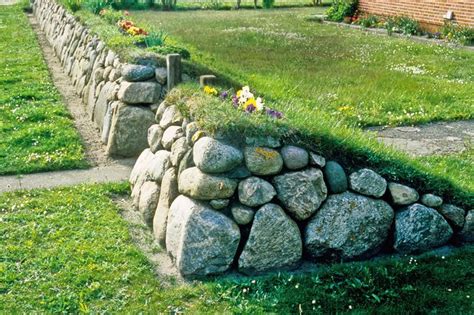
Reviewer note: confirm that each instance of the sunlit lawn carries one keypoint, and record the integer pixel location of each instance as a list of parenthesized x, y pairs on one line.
[(367, 79), (36, 130)]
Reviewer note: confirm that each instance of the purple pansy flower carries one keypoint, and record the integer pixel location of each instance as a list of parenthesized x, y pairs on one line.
[(224, 95), (274, 113), (250, 109), (235, 101)]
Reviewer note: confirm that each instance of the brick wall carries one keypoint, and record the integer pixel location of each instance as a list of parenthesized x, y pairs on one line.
[(428, 12)]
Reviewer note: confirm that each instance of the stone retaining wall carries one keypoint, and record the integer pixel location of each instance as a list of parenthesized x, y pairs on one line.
[(120, 98), (257, 204)]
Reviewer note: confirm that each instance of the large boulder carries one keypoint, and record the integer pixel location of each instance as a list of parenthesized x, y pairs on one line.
[(348, 226), (453, 215), (402, 195), (263, 161), (335, 177), (274, 242), (368, 182), (467, 232), (213, 156), (255, 191), (168, 193), (295, 158), (301, 192), (419, 228), (139, 92), (198, 185), (134, 73), (201, 241), (129, 129)]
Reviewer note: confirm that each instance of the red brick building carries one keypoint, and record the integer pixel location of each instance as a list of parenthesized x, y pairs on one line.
[(428, 12)]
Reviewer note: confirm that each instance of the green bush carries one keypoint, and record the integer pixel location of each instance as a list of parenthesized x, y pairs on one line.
[(171, 49), (341, 9), (167, 5), (404, 25), (461, 34), (369, 21)]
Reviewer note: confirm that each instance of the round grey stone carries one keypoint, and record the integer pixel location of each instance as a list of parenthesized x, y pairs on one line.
[(467, 232), (219, 204), (336, 178), (453, 214), (148, 201), (170, 135), (419, 228), (155, 133), (242, 214), (402, 195), (255, 191), (368, 182), (295, 158), (301, 193), (134, 73), (263, 161), (274, 242), (431, 201), (213, 156), (348, 226), (316, 160), (198, 185), (171, 116), (178, 151)]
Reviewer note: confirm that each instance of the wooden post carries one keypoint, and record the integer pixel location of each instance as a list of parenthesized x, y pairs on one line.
[(173, 66), (206, 79)]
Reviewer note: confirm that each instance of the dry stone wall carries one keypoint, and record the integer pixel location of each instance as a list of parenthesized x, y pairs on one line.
[(120, 98), (258, 204)]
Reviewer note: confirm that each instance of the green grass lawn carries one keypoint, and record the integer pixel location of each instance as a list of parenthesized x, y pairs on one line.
[(36, 130), (306, 68), (68, 250)]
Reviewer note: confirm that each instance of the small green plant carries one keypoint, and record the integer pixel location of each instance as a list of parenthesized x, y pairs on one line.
[(457, 33), (341, 9), (369, 21), (155, 38), (404, 25), (171, 49), (268, 4)]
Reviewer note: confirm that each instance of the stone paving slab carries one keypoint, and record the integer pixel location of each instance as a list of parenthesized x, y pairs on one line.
[(105, 174), (430, 139)]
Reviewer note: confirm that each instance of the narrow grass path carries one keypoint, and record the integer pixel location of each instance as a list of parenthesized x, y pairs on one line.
[(36, 130)]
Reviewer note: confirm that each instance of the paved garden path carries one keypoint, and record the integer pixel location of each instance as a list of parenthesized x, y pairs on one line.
[(429, 139), (102, 174)]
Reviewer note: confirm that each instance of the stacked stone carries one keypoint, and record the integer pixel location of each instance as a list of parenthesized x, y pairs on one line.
[(261, 205), (120, 98)]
